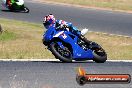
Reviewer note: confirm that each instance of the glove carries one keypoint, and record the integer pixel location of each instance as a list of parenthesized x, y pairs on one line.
[(63, 26)]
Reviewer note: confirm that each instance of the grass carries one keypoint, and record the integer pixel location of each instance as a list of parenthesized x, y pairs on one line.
[(109, 4), (7, 35), (27, 42), (24, 42), (117, 47)]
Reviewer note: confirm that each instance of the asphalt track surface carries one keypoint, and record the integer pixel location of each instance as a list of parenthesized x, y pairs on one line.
[(96, 20), (54, 74)]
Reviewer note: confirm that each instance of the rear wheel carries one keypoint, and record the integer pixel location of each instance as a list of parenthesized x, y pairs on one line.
[(63, 54), (100, 55)]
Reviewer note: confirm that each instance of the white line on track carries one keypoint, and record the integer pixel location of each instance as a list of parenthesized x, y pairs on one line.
[(55, 60)]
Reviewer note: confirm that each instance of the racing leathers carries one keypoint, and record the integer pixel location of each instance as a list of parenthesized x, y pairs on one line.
[(11, 3), (71, 28)]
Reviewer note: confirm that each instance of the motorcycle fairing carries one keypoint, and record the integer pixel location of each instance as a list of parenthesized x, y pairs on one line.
[(78, 52), (48, 35)]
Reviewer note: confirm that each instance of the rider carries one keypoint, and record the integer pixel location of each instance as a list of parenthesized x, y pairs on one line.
[(8, 3), (11, 3), (50, 21)]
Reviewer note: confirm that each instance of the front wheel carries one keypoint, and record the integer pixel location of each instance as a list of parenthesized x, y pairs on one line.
[(63, 54), (26, 10)]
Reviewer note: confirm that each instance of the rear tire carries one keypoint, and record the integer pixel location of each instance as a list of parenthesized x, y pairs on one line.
[(54, 46), (100, 57)]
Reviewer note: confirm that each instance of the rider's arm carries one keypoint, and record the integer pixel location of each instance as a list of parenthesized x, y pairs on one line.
[(57, 24), (62, 23), (69, 25)]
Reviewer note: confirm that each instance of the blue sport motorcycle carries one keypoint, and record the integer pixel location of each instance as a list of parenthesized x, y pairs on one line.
[(67, 46)]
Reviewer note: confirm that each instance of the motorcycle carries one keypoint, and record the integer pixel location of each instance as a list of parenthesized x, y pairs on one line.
[(16, 6), (67, 46)]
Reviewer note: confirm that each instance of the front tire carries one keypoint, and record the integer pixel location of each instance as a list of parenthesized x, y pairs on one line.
[(26, 10), (61, 54)]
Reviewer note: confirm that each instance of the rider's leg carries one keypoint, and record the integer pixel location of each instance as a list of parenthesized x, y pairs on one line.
[(85, 39), (74, 30), (81, 34), (84, 31)]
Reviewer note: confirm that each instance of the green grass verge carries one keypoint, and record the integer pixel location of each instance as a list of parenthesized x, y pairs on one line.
[(24, 42), (7, 35), (110, 4)]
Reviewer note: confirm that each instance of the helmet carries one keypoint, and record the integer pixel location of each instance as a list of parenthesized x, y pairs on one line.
[(48, 20)]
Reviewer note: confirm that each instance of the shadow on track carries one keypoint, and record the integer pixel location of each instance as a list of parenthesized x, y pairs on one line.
[(5, 10), (65, 62), (12, 11)]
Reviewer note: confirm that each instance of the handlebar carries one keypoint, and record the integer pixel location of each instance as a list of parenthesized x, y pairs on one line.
[(62, 27)]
